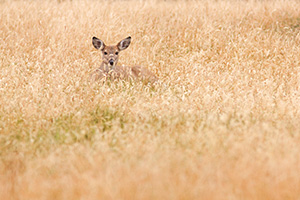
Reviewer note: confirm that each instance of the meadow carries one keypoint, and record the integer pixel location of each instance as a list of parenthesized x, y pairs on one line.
[(223, 122)]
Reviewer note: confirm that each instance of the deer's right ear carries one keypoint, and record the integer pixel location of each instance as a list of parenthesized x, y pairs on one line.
[(98, 44), (124, 43)]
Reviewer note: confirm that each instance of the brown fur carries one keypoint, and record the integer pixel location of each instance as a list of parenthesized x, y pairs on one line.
[(109, 68)]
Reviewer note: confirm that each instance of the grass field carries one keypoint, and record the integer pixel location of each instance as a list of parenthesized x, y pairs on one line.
[(224, 122)]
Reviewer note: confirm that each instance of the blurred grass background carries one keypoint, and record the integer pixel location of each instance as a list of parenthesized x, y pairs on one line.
[(223, 124)]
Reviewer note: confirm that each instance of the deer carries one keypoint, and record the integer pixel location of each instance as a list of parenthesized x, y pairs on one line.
[(109, 70)]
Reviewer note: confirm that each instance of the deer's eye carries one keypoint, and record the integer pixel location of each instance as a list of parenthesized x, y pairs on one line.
[(117, 53), (105, 53)]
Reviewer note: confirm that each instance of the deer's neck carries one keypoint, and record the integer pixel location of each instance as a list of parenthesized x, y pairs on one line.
[(106, 68)]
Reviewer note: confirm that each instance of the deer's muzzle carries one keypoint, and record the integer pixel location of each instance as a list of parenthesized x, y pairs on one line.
[(111, 62)]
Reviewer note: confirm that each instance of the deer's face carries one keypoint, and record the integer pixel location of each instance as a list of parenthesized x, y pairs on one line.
[(110, 54)]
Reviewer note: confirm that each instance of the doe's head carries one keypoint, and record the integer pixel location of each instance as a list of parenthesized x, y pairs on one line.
[(110, 54)]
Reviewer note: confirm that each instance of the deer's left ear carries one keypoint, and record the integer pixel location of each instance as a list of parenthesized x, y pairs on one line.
[(98, 44), (124, 44)]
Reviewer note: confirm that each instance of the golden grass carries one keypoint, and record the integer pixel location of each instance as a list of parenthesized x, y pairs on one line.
[(223, 123)]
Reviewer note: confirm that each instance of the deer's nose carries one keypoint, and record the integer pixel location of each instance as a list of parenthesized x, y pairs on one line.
[(111, 62)]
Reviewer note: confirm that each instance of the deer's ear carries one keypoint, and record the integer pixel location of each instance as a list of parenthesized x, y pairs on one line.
[(124, 43), (98, 44)]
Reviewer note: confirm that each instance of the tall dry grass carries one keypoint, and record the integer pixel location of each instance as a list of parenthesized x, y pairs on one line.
[(223, 123)]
